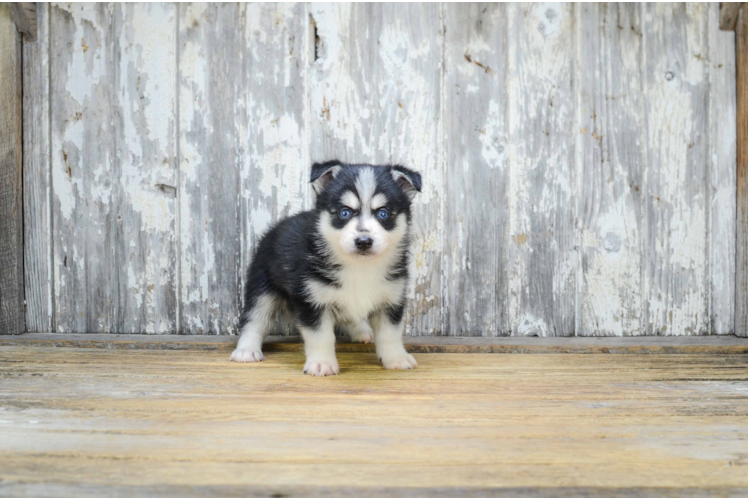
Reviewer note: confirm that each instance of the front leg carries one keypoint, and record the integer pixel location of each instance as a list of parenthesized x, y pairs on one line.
[(388, 336), (319, 343)]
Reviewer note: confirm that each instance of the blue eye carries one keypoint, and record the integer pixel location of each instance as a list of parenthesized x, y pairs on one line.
[(383, 214), (344, 213)]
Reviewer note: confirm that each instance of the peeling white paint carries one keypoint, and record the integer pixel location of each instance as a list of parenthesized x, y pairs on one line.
[(549, 18), (676, 278), (490, 137), (723, 173), (571, 185), (64, 190), (530, 326)]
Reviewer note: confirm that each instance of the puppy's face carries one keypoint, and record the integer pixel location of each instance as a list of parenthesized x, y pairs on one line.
[(364, 209)]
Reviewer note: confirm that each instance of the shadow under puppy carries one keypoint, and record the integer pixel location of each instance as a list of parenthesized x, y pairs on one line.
[(343, 264)]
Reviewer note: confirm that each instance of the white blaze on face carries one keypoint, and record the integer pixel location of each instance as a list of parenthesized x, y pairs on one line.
[(364, 203), (366, 184), (350, 200), (378, 201)]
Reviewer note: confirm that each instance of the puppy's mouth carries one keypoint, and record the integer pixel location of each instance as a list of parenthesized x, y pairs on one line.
[(364, 253)]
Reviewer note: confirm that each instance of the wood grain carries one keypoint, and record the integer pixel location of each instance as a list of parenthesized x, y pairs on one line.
[(274, 127), (722, 181), (542, 178), (676, 280), (24, 14), (375, 97), (113, 147), (177, 137), (477, 166), (12, 316), (152, 422), (243, 146), (38, 235), (741, 70), (724, 344), (145, 186), (728, 15), (211, 84), (85, 175), (610, 142)]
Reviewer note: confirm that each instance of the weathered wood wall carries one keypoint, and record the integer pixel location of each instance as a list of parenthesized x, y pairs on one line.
[(741, 285), (12, 316), (578, 159)]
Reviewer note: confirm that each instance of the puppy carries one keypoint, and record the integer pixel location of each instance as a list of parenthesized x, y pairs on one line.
[(343, 264)]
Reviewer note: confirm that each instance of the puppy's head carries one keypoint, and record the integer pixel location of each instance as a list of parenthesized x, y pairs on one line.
[(364, 209)]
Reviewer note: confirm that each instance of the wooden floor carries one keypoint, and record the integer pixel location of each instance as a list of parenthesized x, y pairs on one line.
[(119, 422)]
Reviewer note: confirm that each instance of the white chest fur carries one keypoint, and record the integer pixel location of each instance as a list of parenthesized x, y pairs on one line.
[(363, 289)]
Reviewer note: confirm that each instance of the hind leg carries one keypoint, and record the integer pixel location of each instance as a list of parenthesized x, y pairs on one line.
[(358, 331), (256, 321)]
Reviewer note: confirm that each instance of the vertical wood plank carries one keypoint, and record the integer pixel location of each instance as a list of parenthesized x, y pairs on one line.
[(83, 168), (542, 180), (38, 236), (611, 142), (24, 15), (113, 143), (211, 85), (275, 144), (146, 186), (477, 169), (728, 15), (12, 316), (741, 70), (677, 104), (375, 98), (721, 194)]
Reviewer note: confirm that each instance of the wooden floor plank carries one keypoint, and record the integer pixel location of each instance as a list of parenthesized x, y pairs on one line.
[(723, 344), (87, 421)]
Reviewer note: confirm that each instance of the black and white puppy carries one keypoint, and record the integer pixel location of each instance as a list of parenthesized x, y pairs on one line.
[(343, 264)]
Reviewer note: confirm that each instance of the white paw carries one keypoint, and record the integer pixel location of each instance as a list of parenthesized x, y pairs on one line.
[(403, 361), (246, 356), (320, 368), (358, 331), (366, 337)]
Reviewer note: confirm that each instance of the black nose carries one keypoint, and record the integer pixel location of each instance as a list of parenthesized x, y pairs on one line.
[(364, 242)]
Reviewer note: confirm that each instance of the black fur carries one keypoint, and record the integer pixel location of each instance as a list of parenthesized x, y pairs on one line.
[(320, 168), (288, 254)]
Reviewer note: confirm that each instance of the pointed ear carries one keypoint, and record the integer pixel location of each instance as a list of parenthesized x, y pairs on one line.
[(407, 179), (323, 174)]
